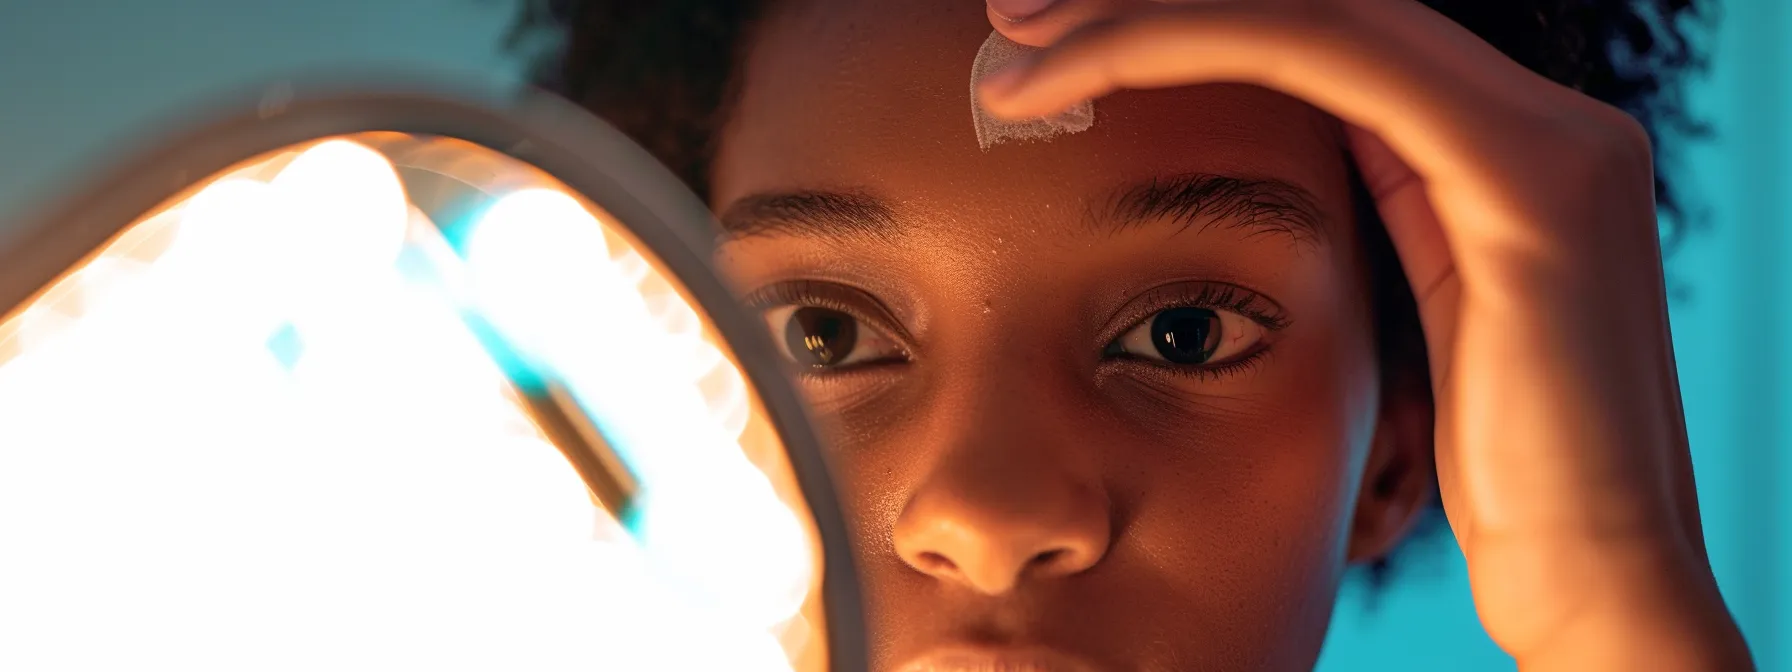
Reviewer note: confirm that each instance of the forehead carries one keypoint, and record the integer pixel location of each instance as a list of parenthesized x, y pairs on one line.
[(876, 96)]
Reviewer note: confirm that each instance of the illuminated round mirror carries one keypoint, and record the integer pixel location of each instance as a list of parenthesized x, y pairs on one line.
[(396, 382)]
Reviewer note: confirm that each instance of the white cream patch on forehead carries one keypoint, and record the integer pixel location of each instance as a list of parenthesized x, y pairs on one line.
[(999, 51)]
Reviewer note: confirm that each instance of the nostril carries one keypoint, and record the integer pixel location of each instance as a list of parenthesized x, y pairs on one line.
[(977, 537), (1061, 561), (932, 562)]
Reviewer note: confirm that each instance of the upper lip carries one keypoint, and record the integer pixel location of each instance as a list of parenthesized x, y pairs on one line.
[(995, 659)]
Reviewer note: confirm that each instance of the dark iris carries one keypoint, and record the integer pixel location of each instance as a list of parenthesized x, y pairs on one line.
[(820, 337), (1186, 335)]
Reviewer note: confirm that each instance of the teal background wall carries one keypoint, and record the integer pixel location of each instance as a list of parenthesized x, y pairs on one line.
[(80, 76)]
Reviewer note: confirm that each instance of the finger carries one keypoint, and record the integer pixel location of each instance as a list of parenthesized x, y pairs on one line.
[(1435, 93), (1040, 23), (1419, 241), (1425, 257)]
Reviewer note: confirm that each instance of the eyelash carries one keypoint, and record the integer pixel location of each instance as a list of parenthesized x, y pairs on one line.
[(815, 294), (1210, 295)]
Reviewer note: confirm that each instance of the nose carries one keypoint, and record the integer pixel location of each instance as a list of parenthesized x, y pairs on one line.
[(988, 518)]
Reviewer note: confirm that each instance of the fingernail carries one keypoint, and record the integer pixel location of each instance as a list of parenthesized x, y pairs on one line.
[(1018, 10)]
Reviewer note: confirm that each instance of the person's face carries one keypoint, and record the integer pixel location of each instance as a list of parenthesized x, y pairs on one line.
[(1113, 395)]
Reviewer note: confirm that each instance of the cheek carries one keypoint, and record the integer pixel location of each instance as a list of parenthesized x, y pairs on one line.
[(1274, 457), (1254, 494), (1242, 505)]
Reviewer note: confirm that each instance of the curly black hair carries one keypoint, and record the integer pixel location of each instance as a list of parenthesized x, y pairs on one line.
[(663, 72)]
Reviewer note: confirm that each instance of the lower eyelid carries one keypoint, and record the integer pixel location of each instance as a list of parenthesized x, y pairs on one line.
[(1243, 364), (855, 367)]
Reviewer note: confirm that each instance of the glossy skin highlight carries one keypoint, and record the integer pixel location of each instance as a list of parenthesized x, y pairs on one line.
[(1013, 483)]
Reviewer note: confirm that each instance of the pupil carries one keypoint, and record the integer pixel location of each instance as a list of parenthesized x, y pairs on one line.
[(1186, 335), (820, 337)]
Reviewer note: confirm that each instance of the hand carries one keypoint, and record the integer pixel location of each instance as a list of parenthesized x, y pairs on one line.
[(1524, 217)]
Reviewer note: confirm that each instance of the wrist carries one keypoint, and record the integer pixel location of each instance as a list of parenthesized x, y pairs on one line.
[(1678, 644), (1647, 611)]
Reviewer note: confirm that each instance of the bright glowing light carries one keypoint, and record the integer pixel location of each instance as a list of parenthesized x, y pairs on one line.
[(174, 489), (351, 211), (533, 256), (599, 329), (103, 278), (632, 267), (727, 394), (763, 578), (229, 230), (40, 327), (231, 272)]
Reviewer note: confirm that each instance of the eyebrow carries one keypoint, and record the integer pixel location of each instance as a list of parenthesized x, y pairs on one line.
[(1255, 206), (815, 214)]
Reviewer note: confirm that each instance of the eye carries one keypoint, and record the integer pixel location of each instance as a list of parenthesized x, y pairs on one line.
[(1191, 336), (816, 337)]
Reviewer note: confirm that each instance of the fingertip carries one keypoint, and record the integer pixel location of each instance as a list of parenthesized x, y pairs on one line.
[(998, 95), (1015, 11), (1024, 90), (994, 104), (1019, 31), (1041, 24)]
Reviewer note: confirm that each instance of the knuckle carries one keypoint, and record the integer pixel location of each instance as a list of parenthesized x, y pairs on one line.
[(1628, 136), (1608, 131), (1608, 134), (1597, 143)]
